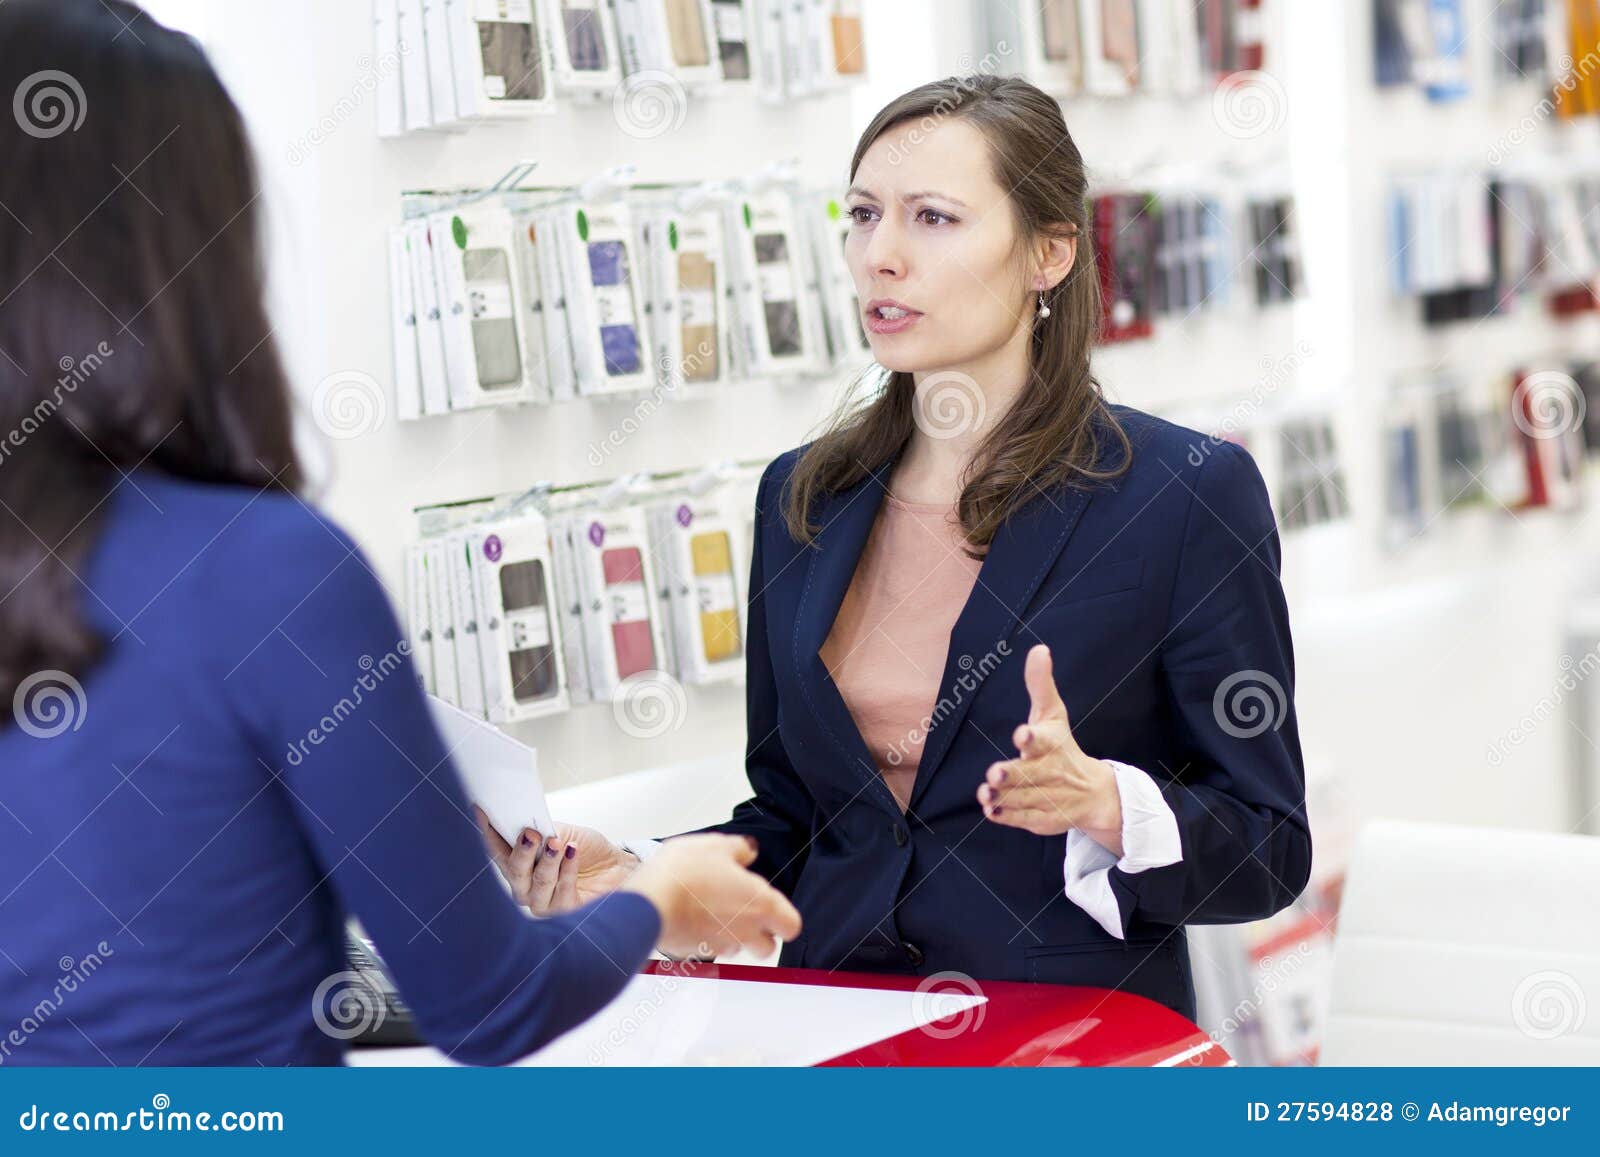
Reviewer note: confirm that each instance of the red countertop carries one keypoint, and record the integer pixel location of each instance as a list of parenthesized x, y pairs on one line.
[(1021, 1024)]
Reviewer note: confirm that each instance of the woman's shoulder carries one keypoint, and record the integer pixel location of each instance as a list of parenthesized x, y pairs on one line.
[(1163, 451), (1161, 440), (244, 521), (230, 542)]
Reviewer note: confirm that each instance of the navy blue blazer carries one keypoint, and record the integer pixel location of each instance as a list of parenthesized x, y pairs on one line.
[(1159, 596)]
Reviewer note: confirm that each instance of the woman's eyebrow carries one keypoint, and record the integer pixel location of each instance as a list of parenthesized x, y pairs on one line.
[(858, 191)]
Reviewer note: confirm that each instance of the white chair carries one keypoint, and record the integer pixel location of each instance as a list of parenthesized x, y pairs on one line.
[(1466, 946)]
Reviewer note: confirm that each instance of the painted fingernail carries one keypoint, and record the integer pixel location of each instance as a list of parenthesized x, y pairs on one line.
[(526, 842), (572, 850), (1002, 775), (549, 851)]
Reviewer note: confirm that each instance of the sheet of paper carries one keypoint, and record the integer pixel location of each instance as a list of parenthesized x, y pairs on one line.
[(683, 1020), (501, 775)]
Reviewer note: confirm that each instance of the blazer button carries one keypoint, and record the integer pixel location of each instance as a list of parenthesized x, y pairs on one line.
[(913, 953), (900, 835)]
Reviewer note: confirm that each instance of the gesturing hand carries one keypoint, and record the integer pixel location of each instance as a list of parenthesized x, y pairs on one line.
[(1052, 785)]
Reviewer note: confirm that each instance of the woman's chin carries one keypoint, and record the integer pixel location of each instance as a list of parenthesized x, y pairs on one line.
[(897, 360)]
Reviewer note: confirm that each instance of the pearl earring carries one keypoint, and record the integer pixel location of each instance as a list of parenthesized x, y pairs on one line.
[(1044, 310)]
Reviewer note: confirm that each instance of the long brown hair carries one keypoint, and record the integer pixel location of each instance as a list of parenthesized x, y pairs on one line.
[(130, 193), (1052, 433)]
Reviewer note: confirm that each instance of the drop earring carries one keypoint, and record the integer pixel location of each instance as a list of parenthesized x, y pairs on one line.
[(1044, 310)]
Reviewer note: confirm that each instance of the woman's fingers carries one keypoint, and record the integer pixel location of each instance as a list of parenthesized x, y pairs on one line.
[(1032, 819), (763, 945), (542, 887), (519, 865), (499, 850), (566, 890), (1044, 699), (1037, 740)]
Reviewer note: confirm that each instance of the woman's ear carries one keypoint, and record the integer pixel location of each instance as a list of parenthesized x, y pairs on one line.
[(1057, 254)]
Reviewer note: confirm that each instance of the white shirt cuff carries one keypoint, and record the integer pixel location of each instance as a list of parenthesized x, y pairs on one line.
[(1149, 840)]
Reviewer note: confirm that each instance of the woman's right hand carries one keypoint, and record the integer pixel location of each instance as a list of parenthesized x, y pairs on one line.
[(567, 869), (709, 900)]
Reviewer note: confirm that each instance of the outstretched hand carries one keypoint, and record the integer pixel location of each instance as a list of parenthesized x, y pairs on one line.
[(1053, 785)]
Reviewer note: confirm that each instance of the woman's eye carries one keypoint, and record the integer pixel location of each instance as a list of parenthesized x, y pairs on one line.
[(934, 217), (861, 215)]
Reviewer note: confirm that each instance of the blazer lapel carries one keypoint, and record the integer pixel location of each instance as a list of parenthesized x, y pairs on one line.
[(1019, 557), (846, 518)]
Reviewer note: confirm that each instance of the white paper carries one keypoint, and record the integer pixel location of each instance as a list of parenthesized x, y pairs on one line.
[(501, 775), (688, 1020)]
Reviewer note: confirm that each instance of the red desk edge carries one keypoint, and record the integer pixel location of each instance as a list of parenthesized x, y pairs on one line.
[(1049, 1025)]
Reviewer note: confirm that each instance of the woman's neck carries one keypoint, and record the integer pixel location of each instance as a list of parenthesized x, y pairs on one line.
[(963, 403)]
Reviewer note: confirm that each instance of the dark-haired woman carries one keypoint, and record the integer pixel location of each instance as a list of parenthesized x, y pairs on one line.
[(174, 620), (1020, 673)]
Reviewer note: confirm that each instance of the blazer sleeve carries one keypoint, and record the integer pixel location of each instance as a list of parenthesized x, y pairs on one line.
[(778, 815), (1237, 782)]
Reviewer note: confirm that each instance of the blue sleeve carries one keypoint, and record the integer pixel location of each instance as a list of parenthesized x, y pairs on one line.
[(1237, 784), (778, 814), (314, 663)]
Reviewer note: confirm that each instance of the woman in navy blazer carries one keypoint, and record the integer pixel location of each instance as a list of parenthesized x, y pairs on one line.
[(1128, 605)]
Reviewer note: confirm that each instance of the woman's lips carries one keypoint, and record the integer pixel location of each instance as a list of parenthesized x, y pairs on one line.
[(878, 324)]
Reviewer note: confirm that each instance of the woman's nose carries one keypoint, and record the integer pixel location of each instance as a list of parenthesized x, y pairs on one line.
[(883, 255)]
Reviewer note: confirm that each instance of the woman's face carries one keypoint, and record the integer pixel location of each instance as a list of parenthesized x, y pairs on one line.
[(934, 243)]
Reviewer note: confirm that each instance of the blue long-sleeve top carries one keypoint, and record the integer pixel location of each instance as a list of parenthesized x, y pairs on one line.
[(252, 760)]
